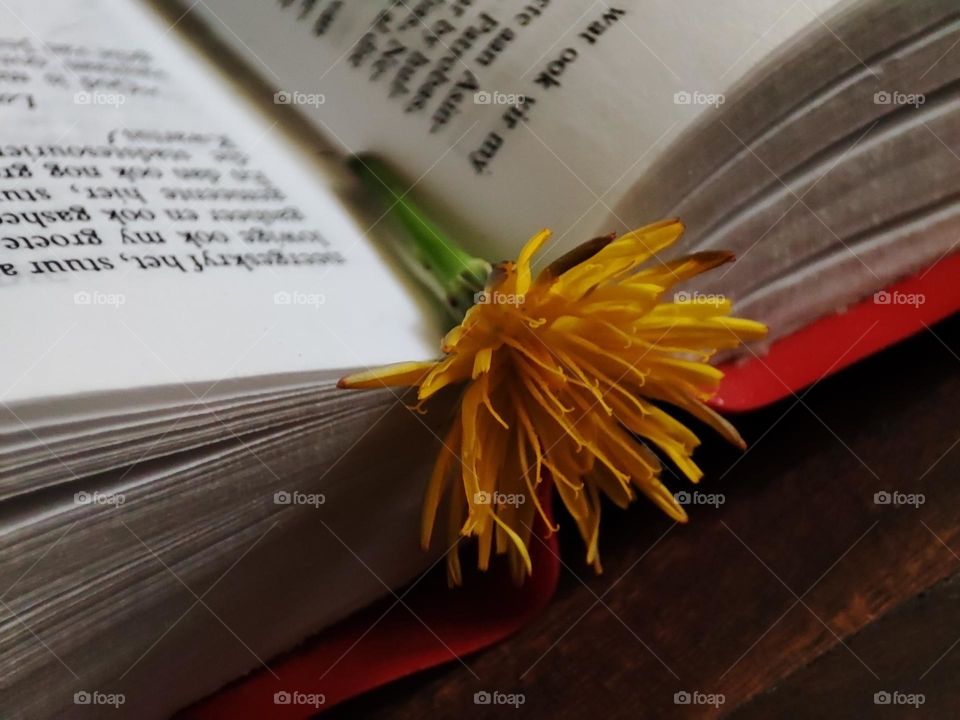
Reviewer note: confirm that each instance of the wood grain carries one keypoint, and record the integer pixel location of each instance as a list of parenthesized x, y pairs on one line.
[(799, 596)]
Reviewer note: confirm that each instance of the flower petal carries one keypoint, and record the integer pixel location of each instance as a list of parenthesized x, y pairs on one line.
[(525, 257), (403, 374)]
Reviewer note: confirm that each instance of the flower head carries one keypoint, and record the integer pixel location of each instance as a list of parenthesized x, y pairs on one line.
[(565, 376)]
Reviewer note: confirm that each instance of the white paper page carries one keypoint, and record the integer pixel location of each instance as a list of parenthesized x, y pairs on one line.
[(155, 231), (579, 98)]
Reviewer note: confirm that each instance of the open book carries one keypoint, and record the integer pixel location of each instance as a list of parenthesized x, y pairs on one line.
[(183, 274)]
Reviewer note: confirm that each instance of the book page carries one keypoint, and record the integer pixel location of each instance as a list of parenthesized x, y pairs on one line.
[(157, 232), (509, 115)]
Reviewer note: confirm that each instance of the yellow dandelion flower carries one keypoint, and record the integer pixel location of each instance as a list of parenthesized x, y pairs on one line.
[(565, 376)]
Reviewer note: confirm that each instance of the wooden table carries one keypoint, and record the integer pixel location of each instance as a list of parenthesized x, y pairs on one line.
[(800, 596)]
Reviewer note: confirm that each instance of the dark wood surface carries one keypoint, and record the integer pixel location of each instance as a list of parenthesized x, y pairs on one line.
[(799, 597)]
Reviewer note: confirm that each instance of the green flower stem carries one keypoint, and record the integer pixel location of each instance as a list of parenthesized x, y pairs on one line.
[(452, 275)]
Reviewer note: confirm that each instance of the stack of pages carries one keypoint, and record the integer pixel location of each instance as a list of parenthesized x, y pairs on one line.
[(184, 273)]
